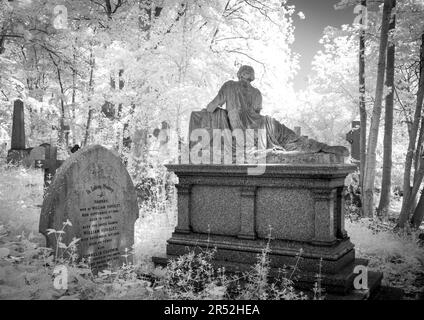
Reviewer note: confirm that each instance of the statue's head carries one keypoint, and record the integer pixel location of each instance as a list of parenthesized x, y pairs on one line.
[(246, 73)]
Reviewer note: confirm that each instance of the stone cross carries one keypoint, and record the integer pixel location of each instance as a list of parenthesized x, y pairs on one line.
[(49, 164), (354, 138)]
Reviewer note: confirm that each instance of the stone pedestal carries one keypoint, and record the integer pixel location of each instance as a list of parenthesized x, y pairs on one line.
[(17, 156), (300, 207)]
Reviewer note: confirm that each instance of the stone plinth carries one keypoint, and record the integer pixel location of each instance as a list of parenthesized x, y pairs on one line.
[(17, 157), (304, 158), (299, 206)]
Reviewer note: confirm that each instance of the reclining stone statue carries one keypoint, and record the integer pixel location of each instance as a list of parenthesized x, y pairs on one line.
[(243, 106)]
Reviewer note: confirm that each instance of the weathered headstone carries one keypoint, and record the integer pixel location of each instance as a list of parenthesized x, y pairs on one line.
[(354, 138), (17, 150), (95, 192)]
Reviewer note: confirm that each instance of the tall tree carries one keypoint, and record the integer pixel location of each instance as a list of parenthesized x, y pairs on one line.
[(386, 183), (410, 193), (370, 164), (362, 104), (90, 93), (418, 215)]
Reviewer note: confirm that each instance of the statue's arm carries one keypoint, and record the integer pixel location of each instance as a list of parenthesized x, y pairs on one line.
[(218, 101)]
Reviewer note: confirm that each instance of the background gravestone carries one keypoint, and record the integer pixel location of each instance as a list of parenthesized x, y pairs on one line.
[(18, 127), (17, 150), (49, 163), (354, 138), (95, 192)]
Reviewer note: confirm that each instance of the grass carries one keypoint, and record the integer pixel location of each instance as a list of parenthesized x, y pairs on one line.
[(399, 256)]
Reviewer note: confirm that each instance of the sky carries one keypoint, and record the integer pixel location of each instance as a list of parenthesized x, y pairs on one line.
[(318, 15)]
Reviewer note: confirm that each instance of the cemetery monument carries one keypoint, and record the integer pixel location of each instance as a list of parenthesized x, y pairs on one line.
[(93, 190), (296, 200), (17, 150)]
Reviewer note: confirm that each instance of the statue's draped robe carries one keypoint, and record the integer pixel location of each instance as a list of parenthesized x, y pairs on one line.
[(243, 105)]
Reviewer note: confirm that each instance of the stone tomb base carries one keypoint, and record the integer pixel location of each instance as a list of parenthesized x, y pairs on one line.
[(17, 156), (299, 206)]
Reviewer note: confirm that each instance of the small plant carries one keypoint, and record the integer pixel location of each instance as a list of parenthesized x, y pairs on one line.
[(318, 290), (127, 254), (193, 276), (62, 248), (257, 280), (258, 286)]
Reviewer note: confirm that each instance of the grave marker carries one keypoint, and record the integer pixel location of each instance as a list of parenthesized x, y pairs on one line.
[(17, 150), (95, 192), (18, 127), (354, 138), (50, 164)]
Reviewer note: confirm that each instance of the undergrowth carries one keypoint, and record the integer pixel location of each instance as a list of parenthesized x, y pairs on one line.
[(27, 267), (398, 255), (28, 271), (194, 276)]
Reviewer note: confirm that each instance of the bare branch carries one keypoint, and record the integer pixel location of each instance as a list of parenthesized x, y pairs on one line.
[(248, 56)]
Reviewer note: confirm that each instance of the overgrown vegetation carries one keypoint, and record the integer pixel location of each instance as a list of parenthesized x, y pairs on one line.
[(27, 268), (398, 255), (193, 276), (28, 271)]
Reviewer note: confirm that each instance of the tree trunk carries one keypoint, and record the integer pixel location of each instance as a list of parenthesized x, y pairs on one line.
[(419, 146), (120, 137), (386, 182), (88, 126), (362, 106), (108, 8), (90, 109), (63, 138), (418, 215), (409, 194), (73, 101), (370, 165)]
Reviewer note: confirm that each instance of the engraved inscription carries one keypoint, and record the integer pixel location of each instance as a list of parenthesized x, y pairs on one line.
[(100, 226)]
